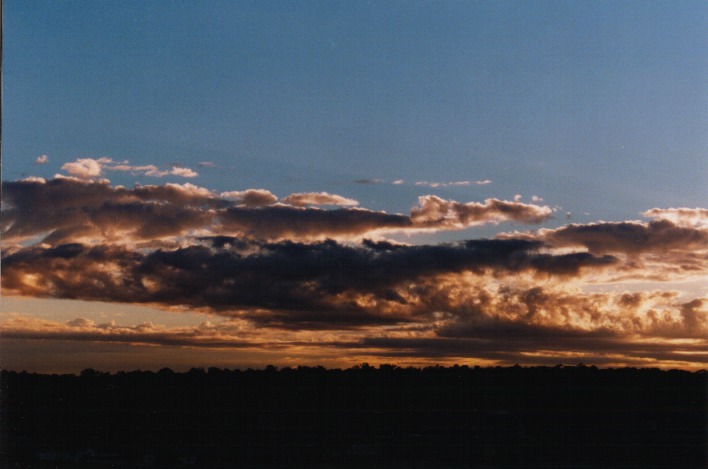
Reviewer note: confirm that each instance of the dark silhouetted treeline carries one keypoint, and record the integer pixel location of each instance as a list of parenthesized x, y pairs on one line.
[(387, 416)]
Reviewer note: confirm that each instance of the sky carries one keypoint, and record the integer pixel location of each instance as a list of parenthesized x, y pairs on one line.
[(236, 184)]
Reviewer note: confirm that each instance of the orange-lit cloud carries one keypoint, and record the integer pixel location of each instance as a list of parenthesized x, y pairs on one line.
[(270, 273), (697, 217), (251, 197), (434, 211), (92, 168), (318, 198), (65, 210)]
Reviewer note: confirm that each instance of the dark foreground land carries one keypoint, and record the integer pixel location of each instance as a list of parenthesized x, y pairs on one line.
[(361, 417)]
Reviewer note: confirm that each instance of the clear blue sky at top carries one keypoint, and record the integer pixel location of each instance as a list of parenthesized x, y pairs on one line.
[(599, 107)]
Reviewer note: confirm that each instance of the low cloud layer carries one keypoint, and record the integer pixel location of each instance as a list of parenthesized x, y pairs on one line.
[(325, 282), (293, 274)]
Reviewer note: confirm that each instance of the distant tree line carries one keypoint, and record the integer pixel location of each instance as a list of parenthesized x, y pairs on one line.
[(364, 416)]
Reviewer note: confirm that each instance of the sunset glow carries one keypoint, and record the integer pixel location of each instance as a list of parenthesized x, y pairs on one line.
[(307, 184)]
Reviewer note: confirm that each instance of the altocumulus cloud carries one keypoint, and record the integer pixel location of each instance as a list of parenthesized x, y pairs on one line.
[(74, 210), (289, 273)]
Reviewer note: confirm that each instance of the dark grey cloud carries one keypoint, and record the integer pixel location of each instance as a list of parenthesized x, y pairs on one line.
[(63, 210), (628, 237), (278, 222), (275, 283), (370, 181)]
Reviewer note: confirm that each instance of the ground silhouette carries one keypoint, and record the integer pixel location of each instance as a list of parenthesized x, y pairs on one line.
[(386, 416)]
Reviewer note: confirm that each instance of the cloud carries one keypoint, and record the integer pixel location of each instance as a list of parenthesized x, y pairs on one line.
[(655, 251), (182, 172), (152, 170), (433, 211), (39, 180), (563, 347), (498, 329), (370, 181), (69, 210), (90, 168), (317, 285), (42, 159), (251, 197), (694, 316), (697, 217), (318, 198), (627, 237), (432, 214), (66, 210), (453, 183), (309, 275), (85, 168), (223, 335), (285, 222)]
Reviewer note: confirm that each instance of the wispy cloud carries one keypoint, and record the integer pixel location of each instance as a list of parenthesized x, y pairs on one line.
[(398, 182), (42, 159), (90, 168), (206, 334), (453, 183), (370, 181)]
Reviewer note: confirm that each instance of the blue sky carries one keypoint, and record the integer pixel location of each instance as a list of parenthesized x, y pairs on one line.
[(597, 107), (444, 121)]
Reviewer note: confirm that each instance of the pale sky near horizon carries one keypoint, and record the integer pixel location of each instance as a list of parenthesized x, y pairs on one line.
[(415, 122)]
